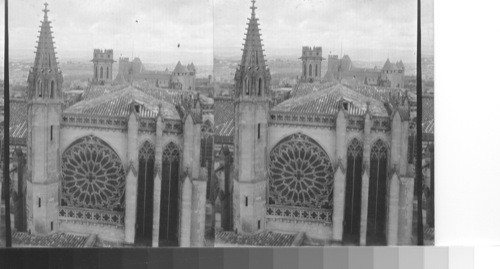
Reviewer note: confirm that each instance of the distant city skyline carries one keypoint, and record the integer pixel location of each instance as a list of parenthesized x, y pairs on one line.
[(157, 31), (366, 30)]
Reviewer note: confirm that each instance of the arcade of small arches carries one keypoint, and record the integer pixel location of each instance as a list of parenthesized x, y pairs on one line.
[(100, 74), (40, 88), (301, 178), (250, 84), (311, 70)]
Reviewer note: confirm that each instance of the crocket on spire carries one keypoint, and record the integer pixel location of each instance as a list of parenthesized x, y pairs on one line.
[(45, 58), (45, 79), (253, 54)]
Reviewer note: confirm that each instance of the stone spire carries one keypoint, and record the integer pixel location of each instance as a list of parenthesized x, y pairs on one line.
[(253, 54), (45, 79), (252, 78), (45, 58)]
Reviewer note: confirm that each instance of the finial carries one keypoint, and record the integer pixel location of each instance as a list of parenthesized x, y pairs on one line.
[(253, 7), (45, 10)]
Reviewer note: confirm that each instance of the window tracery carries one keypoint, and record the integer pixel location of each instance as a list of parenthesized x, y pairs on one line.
[(147, 151), (93, 176), (171, 153), (379, 155), (300, 174)]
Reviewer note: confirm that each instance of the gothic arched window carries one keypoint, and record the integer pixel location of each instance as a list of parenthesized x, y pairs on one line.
[(169, 194), (52, 86), (316, 71), (260, 86), (145, 187), (352, 211), (95, 73), (101, 72), (93, 176), (107, 72), (310, 70), (252, 89), (377, 193), (305, 69), (247, 87), (300, 174), (206, 156), (39, 88)]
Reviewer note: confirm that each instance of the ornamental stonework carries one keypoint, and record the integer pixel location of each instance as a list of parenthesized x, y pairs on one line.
[(93, 176), (300, 174)]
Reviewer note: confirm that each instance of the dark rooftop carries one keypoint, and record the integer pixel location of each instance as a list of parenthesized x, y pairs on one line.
[(266, 238), (327, 101), (58, 240), (224, 120)]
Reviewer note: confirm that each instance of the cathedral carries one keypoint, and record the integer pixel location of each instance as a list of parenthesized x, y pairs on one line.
[(123, 163), (329, 165), (141, 164)]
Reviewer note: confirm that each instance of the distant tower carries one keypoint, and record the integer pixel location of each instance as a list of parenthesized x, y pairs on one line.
[(184, 77), (45, 101), (252, 84), (103, 66), (311, 63)]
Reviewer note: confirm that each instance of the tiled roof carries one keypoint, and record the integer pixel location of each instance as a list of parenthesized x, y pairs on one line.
[(57, 240), (428, 127), (18, 119), (149, 95), (266, 238), (382, 94), (98, 90), (307, 88), (224, 117), (328, 101), (118, 103), (428, 114)]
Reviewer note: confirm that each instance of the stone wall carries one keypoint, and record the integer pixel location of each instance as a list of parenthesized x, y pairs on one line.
[(313, 230), (104, 232)]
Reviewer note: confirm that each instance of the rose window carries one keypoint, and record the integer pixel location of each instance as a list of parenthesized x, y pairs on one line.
[(300, 174), (93, 176)]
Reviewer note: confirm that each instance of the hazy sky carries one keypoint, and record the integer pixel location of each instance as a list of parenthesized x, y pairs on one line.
[(79, 26), (367, 29)]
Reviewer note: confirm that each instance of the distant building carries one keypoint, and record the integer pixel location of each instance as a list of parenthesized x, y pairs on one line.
[(342, 69), (393, 75), (182, 78), (311, 63), (103, 66)]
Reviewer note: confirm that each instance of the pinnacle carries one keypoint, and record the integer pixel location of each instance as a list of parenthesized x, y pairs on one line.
[(252, 48), (45, 54)]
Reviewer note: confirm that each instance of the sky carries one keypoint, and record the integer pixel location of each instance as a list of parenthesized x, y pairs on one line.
[(367, 30), (166, 30)]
